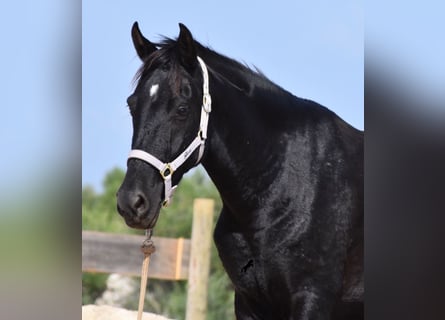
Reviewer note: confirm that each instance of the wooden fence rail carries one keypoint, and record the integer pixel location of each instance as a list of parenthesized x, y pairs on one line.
[(119, 253), (174, 259)]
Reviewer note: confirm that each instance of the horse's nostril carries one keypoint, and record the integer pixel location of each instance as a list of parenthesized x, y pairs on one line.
[(139, 203)]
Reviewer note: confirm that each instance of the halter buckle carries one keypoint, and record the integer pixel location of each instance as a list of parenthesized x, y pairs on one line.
[(207, 102), (166, 172)]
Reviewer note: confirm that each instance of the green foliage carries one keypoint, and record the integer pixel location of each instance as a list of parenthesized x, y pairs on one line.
[(176, 220), (99, 210), (92, 286), (163, 297)]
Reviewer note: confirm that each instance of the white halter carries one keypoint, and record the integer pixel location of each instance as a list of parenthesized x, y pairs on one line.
[(168, 168)]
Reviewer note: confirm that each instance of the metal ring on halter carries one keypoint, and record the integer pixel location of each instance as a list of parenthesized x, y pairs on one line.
[(167, 171), (201, 134)]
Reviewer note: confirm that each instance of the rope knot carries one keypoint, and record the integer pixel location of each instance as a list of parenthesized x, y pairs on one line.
[(148, 247)]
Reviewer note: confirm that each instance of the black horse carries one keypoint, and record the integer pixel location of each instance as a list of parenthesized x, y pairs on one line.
[(289, 172)]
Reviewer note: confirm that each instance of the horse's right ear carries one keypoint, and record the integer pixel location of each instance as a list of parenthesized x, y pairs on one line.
[(187, 49), (143, 46)]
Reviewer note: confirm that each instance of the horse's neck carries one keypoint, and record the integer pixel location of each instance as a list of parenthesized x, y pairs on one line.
[(239, 155)]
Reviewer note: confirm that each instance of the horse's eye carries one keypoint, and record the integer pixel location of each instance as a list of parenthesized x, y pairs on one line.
[(183, 110)]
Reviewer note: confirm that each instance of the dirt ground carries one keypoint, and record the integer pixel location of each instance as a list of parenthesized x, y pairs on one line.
[(93, 312)]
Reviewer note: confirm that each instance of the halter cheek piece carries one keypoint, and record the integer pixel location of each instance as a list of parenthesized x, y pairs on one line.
[(167, 169)]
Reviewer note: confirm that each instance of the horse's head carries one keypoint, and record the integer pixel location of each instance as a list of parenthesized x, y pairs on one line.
[(167, 123)]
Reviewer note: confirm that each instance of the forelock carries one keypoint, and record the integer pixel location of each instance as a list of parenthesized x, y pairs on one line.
[(165, 56)]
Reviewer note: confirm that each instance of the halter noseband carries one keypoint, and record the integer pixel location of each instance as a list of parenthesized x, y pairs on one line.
[(168, 168)]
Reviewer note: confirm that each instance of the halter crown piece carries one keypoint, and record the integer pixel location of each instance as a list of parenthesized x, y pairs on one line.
[(166, 169)]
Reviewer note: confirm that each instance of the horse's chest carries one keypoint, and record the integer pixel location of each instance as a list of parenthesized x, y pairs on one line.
[(242, 262)]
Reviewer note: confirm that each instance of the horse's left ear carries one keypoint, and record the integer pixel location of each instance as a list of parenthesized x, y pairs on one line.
[(187, 48), (143, 47)]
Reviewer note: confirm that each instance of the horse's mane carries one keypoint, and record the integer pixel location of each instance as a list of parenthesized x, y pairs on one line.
[(237, 74)]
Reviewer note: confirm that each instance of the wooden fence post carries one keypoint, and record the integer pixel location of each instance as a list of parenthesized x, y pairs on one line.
[(199, 259)]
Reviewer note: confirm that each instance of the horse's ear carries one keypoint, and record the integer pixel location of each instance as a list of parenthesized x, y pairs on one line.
[(187, 48), (143, 46)]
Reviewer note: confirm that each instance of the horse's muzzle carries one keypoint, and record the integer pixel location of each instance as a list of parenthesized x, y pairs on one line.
[(134, 207)]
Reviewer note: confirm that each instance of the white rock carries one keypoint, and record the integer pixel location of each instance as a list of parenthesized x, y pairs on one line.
[(119, 289)]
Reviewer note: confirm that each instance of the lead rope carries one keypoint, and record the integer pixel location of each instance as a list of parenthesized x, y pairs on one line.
[(147, 249)]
